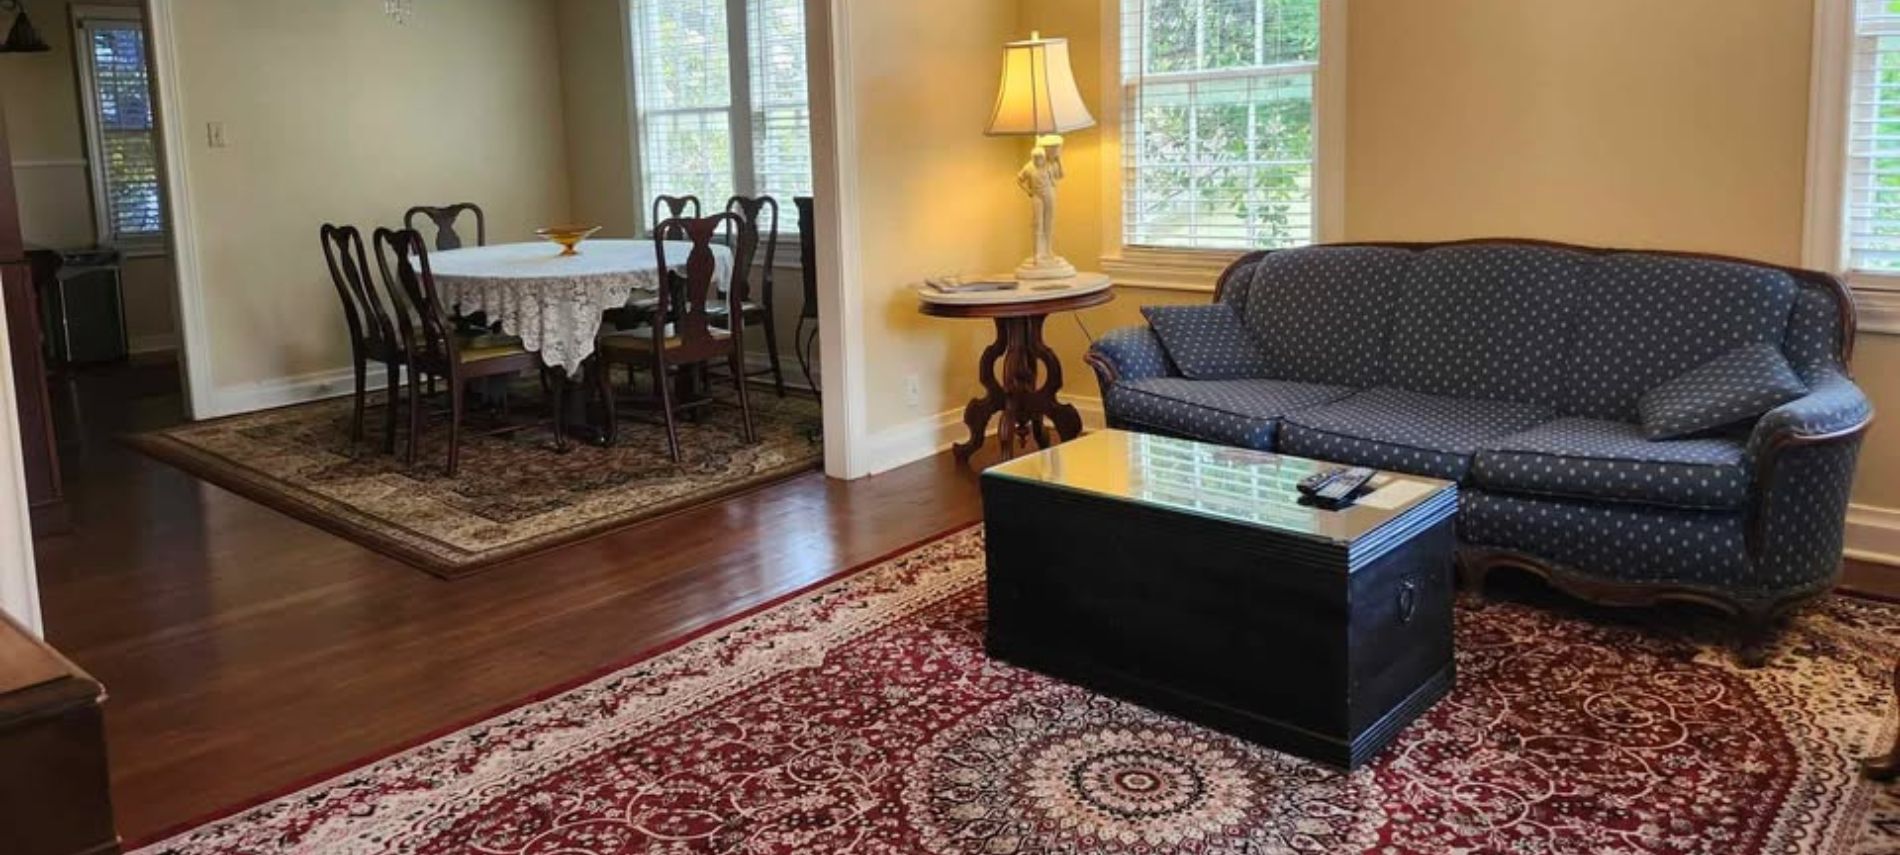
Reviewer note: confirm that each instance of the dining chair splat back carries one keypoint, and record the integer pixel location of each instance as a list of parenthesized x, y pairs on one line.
[(805, 333), (668, 208), (444, 218), (438, 349), (758, 229), (690, 339), (373, 334)]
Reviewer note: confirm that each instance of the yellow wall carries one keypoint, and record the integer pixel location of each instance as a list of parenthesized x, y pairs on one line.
[(596, 96), (40, 96), (334, 113), (935, 195)]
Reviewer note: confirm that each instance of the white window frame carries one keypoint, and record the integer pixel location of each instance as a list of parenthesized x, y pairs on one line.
[(1198, 269), (154, 245), (739, 117), (1824, 241)]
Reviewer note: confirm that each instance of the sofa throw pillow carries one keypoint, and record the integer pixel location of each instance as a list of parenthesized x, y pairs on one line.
[(1207, 342), (1731, 388)]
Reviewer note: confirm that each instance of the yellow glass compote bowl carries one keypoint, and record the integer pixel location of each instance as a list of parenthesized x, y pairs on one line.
[(569, 237)]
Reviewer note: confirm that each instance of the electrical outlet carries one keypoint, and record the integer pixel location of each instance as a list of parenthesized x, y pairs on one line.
[(214, 135), (913, 392)]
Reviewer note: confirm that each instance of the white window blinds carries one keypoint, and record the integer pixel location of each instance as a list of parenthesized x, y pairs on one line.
[(1218, 137), (781, 112), (683, 86), (121, 131), (1873, 163), (695, 113)]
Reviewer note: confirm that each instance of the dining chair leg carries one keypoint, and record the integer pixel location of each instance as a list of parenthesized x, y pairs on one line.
[(362, 395), (603, 377), (771, 354), (745, 401), (556, 380), (415, 414), (392, 391), (666, 407), (457, 391)]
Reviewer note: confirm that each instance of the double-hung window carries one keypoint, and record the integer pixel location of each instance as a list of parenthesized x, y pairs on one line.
[(1219, 138), (1853, 217), (720, 91), (121, 135)]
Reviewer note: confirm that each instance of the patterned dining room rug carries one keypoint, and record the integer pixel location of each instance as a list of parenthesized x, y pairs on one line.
[(513, 496), (862, 716)]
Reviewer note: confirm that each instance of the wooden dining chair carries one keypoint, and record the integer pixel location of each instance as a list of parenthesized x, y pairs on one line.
[(690, 340), (372, 331), (805, 332), (758, 229), (437, 349), (444, 218), (639, 311), (667, 208)]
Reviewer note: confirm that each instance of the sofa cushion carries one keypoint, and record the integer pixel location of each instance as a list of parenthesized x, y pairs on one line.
[(1815, 331), (1322, 313), (1207, 342), (1405, 431), (1735, 387), (1594, 459), (1245, 413), (1486, 320), (1646, 318)]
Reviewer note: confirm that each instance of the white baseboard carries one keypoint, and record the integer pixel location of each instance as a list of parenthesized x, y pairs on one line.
[(915, 440), (270, 394), (151, 343), (1873, 534)]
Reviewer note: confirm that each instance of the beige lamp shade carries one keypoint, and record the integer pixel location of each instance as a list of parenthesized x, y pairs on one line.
[(1038, 94)]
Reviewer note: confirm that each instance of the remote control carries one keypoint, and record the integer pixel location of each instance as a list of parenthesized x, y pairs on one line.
[(1338, 492), (1311, 483)]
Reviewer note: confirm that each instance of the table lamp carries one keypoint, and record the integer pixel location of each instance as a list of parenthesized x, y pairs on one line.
[(1038, 98)]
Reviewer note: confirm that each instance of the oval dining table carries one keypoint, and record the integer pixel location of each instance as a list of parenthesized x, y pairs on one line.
[(554, 302)]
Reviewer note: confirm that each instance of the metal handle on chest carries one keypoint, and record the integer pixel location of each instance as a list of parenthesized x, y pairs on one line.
[(1408, 600)]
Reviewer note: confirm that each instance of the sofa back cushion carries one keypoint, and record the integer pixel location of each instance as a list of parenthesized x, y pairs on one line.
[(1321, 314), (1643, 319), (1486, 321), (1813, 344)]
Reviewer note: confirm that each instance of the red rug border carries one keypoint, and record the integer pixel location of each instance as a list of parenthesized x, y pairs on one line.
[(540, 695)]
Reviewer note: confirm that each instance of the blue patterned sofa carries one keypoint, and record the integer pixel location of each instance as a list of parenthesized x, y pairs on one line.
[(1516, 368)]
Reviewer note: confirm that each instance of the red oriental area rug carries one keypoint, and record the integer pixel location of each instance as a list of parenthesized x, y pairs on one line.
[(863, 717)]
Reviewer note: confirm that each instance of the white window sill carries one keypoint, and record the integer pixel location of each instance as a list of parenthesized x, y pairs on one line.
[(1879, 311), (1150, 268)]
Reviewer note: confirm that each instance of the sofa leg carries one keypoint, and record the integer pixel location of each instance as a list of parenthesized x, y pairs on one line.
[(1754, 633), (1471, 577)]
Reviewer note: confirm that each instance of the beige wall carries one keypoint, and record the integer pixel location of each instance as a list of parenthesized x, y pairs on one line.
[(334, 113), (40, 96), (596, 96), (935, 195)]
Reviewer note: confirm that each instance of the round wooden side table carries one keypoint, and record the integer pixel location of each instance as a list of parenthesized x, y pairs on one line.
[(1024, 390)]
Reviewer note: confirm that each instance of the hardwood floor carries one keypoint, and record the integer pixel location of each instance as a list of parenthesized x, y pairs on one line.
[(246, 651)]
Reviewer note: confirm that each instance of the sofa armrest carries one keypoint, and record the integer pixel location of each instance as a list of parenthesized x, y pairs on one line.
[(1833, 406), (1128, 353), (1805, 454)]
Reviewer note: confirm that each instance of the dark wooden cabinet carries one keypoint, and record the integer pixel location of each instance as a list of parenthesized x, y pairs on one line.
[(54, 796), (38, 446)]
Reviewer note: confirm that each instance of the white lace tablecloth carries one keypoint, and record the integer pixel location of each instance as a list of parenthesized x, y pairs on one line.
[(552, 302)]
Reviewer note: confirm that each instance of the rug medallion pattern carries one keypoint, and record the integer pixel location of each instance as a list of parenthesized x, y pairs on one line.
[(514, 494), (864, 717)]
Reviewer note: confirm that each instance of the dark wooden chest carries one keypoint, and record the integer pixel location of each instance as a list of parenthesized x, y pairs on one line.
[(1323, 649)]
